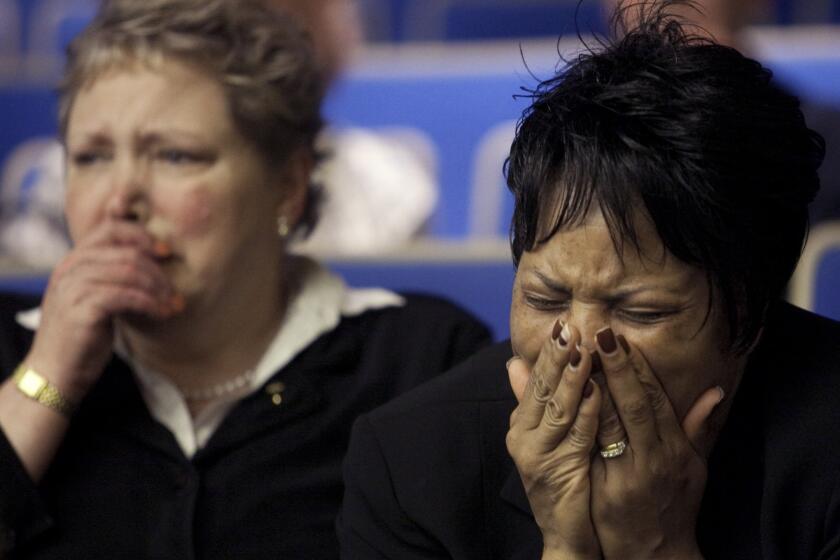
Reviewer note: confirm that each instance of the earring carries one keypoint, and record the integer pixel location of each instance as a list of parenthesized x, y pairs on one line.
[(283, 229)]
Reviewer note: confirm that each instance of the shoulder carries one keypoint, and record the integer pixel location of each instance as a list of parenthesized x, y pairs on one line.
[(798, 339), (394, 348), (418, 306), (425, 324), (797, 372), (793, 381), (449, 433), (481, 378)]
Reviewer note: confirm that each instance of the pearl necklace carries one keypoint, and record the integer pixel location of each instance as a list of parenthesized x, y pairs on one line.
[(220, 389)]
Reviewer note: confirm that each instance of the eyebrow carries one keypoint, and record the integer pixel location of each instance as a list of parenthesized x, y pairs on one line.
[(97, 138), (550, 283), (618, 295), (154, 136), (145, 139)]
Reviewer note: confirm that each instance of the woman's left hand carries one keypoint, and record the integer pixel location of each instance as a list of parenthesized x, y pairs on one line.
[(645, 502)]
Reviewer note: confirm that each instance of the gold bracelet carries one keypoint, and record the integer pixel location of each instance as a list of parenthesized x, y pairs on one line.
[(33, 385)]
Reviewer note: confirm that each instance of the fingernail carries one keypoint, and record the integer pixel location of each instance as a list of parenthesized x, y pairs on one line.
[(588, 388), (596, 362), (623, 342), (162, 249), (555, 332), (507, 363), (722, 394), (606, 340), (574, 357), (176, 303), (565, 335)]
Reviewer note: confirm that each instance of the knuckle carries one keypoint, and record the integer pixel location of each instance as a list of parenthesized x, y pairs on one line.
[(511, 441), (539, 388), (569, 379), (578, 438), (620, 366), (656, 396), (555, 414), (127, 270), (611, 425), (659, 470), (529, 468), (636, 411)]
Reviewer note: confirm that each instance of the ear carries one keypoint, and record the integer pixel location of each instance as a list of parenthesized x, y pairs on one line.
[(294, 184)]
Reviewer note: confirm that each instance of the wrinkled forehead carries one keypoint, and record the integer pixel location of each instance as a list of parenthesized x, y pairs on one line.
[(568, 204), (107, 60)]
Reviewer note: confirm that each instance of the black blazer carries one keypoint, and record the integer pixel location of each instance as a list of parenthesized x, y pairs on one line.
[(268, 482), (428, 475)]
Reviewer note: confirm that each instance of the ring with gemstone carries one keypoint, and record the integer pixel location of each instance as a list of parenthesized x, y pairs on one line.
[(614, 449)]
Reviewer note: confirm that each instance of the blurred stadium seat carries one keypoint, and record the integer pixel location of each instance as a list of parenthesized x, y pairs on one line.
[(498, 19), (32, 227), (491, 204), (816, 283), (454, 98), (378, 17), (10, 38), (52, 25)]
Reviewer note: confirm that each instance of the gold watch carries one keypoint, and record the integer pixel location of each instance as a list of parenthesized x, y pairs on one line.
[(33, 385)]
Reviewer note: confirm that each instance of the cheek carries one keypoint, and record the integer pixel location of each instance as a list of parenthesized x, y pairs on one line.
[(685, 369), (194, 213), (82, 213), (528, 331)]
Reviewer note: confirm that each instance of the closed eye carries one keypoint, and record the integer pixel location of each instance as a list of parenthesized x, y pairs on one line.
[(646, 317), (87, 158), (544, 304), (176, 156)]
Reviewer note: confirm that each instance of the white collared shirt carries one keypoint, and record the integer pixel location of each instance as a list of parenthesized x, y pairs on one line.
[(316, 308)]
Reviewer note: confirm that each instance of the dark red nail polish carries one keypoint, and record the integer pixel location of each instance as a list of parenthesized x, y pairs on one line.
[(574, 357), (587, 390), (555, 332), (606, 340), (596, 362), (623, 342)]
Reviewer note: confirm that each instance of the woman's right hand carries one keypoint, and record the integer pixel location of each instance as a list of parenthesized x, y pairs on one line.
[(552, 433), (112, 271)]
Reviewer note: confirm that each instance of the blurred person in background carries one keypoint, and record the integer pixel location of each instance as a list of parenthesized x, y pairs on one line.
[(658, 398), (186, 387), (726, 21), (380, 189)]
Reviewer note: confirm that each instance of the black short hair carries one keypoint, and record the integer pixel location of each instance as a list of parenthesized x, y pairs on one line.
[(692, 132)]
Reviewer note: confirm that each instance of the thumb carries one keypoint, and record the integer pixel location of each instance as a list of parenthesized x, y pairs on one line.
[(518, 374), (695, 423)]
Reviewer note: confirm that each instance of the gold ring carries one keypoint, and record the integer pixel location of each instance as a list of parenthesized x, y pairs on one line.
[(614, 449)]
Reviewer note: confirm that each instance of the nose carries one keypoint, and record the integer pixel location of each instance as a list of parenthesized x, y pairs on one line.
[(588, 319), (129, 193)]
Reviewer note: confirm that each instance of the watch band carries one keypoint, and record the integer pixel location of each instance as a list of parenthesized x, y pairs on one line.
[(33, 385)]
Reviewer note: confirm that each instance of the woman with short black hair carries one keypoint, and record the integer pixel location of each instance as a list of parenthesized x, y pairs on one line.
[(660, 399)]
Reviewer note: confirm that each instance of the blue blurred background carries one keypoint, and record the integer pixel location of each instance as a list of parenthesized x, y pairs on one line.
[(448, 70)]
